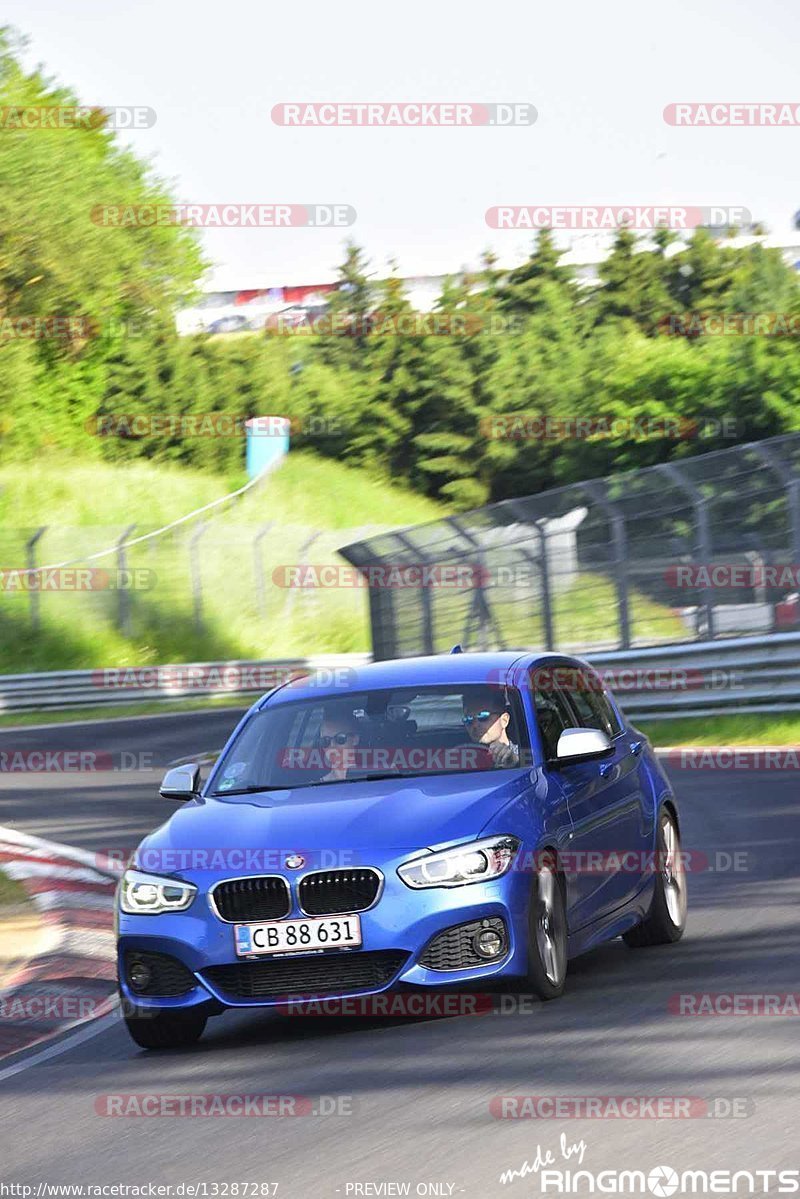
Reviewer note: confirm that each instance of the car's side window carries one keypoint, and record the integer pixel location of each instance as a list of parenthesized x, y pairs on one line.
[(552, 710), (589, 701)]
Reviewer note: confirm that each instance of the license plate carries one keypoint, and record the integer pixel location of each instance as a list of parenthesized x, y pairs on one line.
[(297, 936)]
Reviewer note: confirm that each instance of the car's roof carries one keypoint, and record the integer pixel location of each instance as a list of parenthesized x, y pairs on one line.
[(487, 668)]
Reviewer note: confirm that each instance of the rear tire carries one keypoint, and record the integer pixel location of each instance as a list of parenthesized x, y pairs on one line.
[(166, 1029), (547, 932), (665, 922)]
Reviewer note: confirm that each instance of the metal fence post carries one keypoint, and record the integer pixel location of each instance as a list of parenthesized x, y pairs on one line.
[(123, 594), (547, 599), (480, 607), (704, 543), (792, 484), (304, 548), (258, 568), (518, 509), (619, 540), (30, 557), (197, 582), (428, 638)]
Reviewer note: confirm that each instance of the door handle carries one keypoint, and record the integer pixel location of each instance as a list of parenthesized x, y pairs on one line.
[(636, 747), (606, 768)]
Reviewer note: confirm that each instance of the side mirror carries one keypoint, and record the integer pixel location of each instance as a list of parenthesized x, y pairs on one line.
[(581, 745), (182, 782)]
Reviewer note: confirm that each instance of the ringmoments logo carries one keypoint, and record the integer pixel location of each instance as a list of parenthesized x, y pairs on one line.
[(661, 1180), (664, 1181)]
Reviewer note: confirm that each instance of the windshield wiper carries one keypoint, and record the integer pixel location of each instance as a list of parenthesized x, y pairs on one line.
[(376, 776), (250, 790), (364, 778)]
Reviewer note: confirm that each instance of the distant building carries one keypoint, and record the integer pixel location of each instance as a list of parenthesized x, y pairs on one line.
[(242, 304)]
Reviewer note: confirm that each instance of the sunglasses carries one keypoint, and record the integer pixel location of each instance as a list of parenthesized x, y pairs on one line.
[(336, 739), (481, 716)]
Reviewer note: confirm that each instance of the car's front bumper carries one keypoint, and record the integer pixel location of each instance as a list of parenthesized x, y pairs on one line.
[(403, 920)]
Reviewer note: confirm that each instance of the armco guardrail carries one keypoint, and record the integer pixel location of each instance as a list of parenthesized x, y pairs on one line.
[(711, 678), (50, 690), (747, 674)]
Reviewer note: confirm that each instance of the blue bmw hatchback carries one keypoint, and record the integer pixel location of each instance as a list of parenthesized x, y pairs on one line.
[(465, 819)]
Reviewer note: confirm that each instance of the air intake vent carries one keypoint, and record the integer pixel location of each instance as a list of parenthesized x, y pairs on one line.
[(329, 892), (264, 897)]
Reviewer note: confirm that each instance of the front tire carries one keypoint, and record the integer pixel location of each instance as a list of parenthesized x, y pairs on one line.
[(170, 1029), (664, 924), (547, 933)]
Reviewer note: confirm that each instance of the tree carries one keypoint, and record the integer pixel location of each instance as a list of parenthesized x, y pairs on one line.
[(528, 289), (349, 309), (632, 286), (57, 257)]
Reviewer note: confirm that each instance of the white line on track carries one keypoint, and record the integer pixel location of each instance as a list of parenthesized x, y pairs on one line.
[(70, 1042)]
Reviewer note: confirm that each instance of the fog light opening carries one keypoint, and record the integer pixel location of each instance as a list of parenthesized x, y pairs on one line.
[(489, 943), (139, 976)]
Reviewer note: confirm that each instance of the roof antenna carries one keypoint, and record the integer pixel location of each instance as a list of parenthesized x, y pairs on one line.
[(457, 649)]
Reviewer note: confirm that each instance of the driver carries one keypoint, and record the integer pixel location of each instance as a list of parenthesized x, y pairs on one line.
[(338, 738), (486, 718)]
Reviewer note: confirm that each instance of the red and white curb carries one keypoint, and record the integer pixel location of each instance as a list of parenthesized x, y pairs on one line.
[(74, 979)]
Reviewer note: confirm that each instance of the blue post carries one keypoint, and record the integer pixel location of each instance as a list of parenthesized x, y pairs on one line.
[(267, 443)]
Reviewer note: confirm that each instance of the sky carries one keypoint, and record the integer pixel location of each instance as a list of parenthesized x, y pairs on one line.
[(599, 75)]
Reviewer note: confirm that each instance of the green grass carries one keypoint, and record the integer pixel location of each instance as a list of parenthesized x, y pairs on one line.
[(306, 510), (224, 703), (306, 489), (88, 506), (587, 613), (12, 892), (742, 729)]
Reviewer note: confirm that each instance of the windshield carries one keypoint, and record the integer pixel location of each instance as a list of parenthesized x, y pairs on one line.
[(398, 733)]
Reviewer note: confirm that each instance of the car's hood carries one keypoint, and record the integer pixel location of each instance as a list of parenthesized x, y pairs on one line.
[(359, 816)]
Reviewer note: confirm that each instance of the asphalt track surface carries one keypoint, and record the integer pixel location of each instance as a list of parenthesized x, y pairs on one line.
[(414, 1106)]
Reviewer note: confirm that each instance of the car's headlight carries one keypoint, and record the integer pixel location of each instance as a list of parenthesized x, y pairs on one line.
[(472, 863), (147, 894)]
